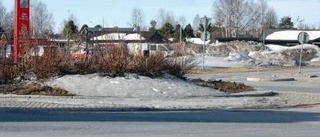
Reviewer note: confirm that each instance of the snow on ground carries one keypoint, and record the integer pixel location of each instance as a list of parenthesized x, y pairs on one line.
[(131, 86), (221, 62)]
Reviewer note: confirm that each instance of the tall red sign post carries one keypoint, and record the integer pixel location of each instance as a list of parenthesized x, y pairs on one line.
[(21, 25)]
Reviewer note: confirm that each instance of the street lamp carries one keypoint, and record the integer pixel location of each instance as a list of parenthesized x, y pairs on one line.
[(204, 36)]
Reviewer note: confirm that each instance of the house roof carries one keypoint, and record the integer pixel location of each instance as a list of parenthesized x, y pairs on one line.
[(141, 36), (290, 34), (110, 30)]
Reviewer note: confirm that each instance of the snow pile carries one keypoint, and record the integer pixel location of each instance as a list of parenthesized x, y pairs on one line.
[(242, 48), (285, 56), (251, 53), (131, 86), (233, 54)]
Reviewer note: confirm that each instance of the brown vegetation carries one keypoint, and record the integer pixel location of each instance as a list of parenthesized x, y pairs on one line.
[(111, 61), (224, 86)]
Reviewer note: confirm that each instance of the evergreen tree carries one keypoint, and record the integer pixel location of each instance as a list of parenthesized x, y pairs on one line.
[(167, 30), (188, 31), (286, 23), (85, 26), (70, 30), (177, 33), (153, 24)]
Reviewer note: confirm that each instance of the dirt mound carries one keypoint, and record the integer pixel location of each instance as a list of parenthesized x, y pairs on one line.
[(224, 86)]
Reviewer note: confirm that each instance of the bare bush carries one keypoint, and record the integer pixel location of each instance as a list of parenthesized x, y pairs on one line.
[(112, 60), (8, 71), (115, 60)]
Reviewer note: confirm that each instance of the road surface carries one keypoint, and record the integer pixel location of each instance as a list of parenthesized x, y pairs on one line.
[(301, 84), (240, 123)]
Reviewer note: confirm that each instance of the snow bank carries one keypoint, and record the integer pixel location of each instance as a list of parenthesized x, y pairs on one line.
[(131, 86), (235, 54)]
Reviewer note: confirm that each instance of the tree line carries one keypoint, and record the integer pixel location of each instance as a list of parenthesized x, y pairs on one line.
[(231, 18)]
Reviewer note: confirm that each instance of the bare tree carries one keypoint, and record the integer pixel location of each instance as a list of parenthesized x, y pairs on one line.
[(196, 22), (137, 18), (182, 21), (272, 19), (263, 6), (170, 18), (161, 17), (236, 16), (6, 19), (41, 19), (164, 17)]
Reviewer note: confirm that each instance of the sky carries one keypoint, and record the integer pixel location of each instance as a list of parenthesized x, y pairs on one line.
[(112, 13)]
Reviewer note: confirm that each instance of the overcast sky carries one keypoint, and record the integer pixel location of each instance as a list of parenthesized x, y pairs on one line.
[(117, 12)]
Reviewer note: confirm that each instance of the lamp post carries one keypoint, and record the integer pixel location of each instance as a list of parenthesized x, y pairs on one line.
[(204, 36)]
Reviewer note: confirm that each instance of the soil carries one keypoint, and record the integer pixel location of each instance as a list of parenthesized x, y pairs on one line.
[(35, 89), (224, 86)]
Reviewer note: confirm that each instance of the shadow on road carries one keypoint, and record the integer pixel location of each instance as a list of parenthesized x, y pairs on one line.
[(166, 116)]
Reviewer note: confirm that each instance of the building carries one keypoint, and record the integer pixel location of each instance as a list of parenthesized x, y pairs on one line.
[(290, 37), (277, 37)]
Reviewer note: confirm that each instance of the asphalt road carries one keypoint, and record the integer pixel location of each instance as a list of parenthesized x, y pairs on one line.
[(301, 84), (240, 123)]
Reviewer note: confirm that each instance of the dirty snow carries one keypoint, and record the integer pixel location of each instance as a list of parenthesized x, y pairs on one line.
[(131, 86), (238, 54)]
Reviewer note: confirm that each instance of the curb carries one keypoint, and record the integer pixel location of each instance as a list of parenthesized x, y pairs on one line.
[(256, 79)]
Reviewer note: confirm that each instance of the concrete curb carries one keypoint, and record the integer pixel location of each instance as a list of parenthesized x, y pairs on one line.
[(257, 79)]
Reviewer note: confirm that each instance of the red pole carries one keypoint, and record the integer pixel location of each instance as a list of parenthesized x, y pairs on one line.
[(21, 25)]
